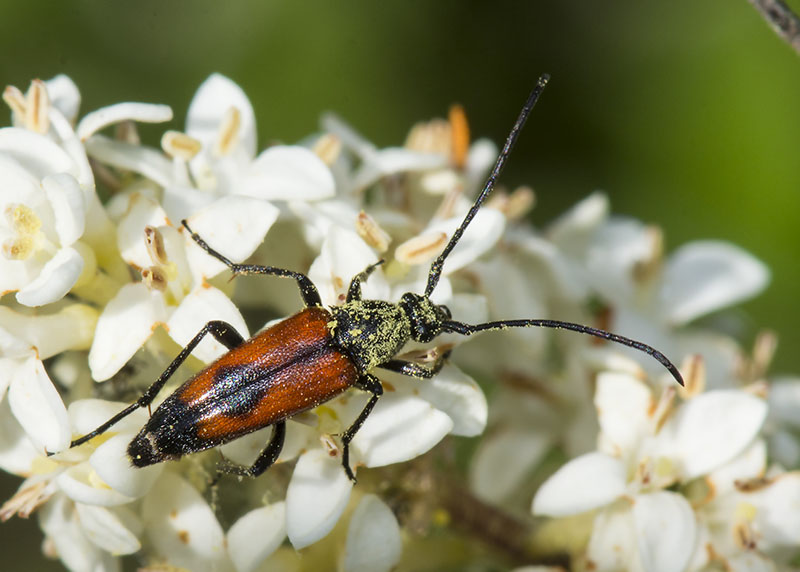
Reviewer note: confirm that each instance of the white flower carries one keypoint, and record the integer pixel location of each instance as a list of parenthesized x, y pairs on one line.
[(651, 299), (175, 292), (216, 156), (646, 447), (51, 221)]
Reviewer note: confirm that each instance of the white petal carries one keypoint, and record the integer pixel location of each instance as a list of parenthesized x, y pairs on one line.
[(573, 231), (142, 211), (394, 160), (481, 235), (38, 407), (256, 535), (64, 95), (586, 482), (105, 116), (182, 527), (751, 464), (317, 495), (623, 403), (784, 401), (113, 465), (711, 429), (705, 276), (343, 255), (398, 429), (455, 393), (373, 538), (147, 162), (201, 306), (114, 531), (86, 415), (215, 96), (71, 328), (665, 531), (778, 514), (613, 543), (36, 153), (17, 453), (503, 460), (289, 173), (69, 207), (233, 226), (59, 521), (124, 326), (57, 277), (81, 484)]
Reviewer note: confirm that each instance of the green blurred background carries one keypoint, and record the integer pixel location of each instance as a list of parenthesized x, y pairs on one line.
[(686, 113)]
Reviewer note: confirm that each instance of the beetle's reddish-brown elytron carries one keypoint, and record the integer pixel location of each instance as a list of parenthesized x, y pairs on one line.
[(311, 357)]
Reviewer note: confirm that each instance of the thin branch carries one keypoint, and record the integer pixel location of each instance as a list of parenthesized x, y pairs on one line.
[(781, 18)]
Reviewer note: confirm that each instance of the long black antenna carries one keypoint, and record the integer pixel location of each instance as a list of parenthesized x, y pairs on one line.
[(436, 267), (467, 329)]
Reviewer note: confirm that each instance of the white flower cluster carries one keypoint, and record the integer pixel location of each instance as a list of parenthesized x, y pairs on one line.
[(110, 291)]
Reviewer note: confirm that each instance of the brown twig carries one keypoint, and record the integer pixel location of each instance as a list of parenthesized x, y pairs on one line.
[(781, 18)]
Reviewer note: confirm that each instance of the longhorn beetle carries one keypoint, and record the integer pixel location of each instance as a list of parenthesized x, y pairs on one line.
[(311, 357)]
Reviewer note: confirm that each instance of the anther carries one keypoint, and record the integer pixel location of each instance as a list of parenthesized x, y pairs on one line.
[(180, 146), (374, 235), (328, 148), (37, 107), (229, 129), (421, 249)]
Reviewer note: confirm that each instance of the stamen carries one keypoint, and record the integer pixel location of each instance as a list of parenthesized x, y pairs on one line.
[(179, 145), (421, 249), (430, 137), (645, 270), (694, 369), (520, 203), (663, 408), (15, 99), (154, 241), (23, 219), (328, 148), (127, 132), (37, 107), (155, 279), (374, 235), (20, 248), (459, 136), (228, 132)]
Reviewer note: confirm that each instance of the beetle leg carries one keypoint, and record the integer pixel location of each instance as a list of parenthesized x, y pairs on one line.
[(416, 370), (354, 292), (308, 291), (223, 332), (265, 460), (372, 384)]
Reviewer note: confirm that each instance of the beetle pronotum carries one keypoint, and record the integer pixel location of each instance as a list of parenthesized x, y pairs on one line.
[(311, 357)]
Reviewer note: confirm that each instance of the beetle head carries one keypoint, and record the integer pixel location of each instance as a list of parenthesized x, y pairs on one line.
[(425, 317)]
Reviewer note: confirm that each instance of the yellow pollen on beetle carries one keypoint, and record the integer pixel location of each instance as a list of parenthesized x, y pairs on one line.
[(421, 249), (229, 130), (328, 147), (374, 235), (180, 145)]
